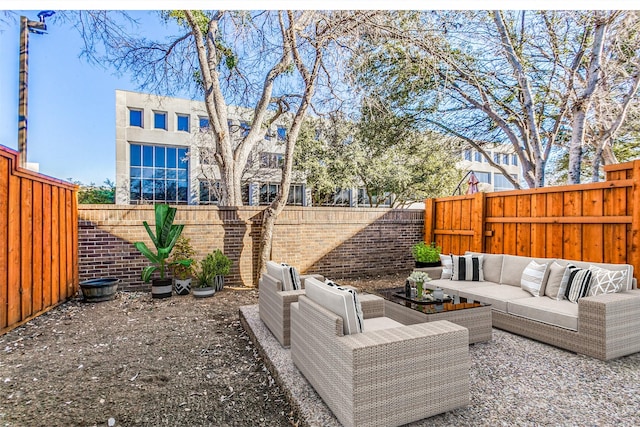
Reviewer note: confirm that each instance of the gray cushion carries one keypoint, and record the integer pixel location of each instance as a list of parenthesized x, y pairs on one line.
[(546, 310), (496, 295), (556, 271), (453, 287), (338, 300)]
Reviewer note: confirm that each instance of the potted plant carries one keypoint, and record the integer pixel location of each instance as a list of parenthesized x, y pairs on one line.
[(426, 255), (164, 240), (205, 278), (222, 267), (182, 274)]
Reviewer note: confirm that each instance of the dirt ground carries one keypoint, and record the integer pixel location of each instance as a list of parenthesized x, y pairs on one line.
[(135, 361)]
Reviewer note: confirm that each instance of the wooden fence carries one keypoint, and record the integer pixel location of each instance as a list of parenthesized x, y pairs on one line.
[(38, 242), (597, 222)]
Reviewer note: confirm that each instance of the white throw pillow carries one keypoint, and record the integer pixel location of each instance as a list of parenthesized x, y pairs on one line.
[(605, 281), (468, 267), (532, 279), (341, 301), (447, 266)]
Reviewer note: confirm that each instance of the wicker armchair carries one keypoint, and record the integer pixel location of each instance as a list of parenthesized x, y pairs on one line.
[(380, 377), (274, 305)]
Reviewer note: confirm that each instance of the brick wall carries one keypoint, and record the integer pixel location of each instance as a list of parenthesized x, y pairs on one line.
[(336, 242)]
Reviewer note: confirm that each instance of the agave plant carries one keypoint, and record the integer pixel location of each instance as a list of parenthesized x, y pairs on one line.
[(164, 240)]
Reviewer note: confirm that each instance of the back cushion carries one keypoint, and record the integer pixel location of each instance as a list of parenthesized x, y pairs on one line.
[(513, 266), (447, 264), (554, 281), (579, 282), (532, 279), (340, 301), (491, 266), (627, 283), (286, 274), (468, 267)]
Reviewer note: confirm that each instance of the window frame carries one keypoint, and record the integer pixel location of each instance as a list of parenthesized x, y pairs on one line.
[(183, 116), (156, 115), (137, 110)]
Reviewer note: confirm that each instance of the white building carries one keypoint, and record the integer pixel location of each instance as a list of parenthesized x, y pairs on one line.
[(491, 178), (162, 154)]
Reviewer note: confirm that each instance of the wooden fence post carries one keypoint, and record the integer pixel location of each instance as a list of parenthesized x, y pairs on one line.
[(633, 255), (478, 213), (429, 218)]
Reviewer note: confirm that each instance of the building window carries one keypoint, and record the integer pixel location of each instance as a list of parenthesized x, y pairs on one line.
[(505, 159), (281, 133), (135, 117), (501, 182), (496, 158), (158, 174), (183, 123), (245, 128), (209, 192), (467, 155), (271, 160), (203, 123), (296, 195), (478, 156), (268, 193), (342, 197), (159, 120), (514, 160), (483, 177), (364, 200)]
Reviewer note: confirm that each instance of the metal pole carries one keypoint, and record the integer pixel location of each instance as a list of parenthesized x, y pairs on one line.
[(22, 106)]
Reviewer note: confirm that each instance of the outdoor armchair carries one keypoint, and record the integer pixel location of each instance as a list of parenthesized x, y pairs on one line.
[(389, 374)]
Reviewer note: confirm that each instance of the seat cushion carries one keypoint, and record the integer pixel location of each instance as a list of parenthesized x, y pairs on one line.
[(379, 323), (453, 287), (496, 295), (287, 274), (546, 310), (341, 301)]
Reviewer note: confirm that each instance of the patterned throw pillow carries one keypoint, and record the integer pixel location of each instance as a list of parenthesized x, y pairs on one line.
[(578, 286), (468, 267), (294, 277), (606, 281), (533, 277), (447, 265), (564, 283)]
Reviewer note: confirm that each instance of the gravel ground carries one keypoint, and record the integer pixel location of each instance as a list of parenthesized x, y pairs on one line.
[(187, 362)]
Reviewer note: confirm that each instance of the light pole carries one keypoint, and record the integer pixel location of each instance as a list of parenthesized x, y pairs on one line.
[(26, 27)]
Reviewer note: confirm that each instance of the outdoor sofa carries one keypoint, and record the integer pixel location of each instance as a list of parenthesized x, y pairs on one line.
[(601, 325), (371, 370)]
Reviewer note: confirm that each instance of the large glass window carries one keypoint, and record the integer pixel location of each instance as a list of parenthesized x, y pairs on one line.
[(135, 117), (183, 122), (467, 155), (483, 177), (514, 160), (159, 120), (505, 159), (296, 195), (158, 174), (496, 158), (269, 191), (478, 156), (365, 200), (342, 197), (501, 182)]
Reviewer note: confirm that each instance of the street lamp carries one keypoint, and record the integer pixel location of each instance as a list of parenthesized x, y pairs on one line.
[(26, 27)]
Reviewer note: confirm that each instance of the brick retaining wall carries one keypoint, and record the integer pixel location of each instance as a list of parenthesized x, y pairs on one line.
[(336, 242)]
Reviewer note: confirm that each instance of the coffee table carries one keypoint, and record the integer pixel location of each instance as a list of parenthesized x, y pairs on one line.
[(474, 316)]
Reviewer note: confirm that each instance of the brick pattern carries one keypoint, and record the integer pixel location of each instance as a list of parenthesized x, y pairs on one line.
[(335, 242)]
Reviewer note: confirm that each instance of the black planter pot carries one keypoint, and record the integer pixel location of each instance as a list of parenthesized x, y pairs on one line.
[(96, 290), (427, 264), (161, 288)]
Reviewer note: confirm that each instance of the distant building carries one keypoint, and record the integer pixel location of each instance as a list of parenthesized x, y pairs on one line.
[(162, 154), (491, 178)]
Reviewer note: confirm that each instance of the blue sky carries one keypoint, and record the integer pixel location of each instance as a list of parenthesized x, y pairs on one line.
[(71, 108)]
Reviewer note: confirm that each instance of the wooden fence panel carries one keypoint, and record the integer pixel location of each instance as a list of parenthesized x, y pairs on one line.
[(38, 242), (597, 222)]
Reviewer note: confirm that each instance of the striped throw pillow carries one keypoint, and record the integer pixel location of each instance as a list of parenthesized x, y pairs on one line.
[(533, 277), (578, 285), (468, 267)]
